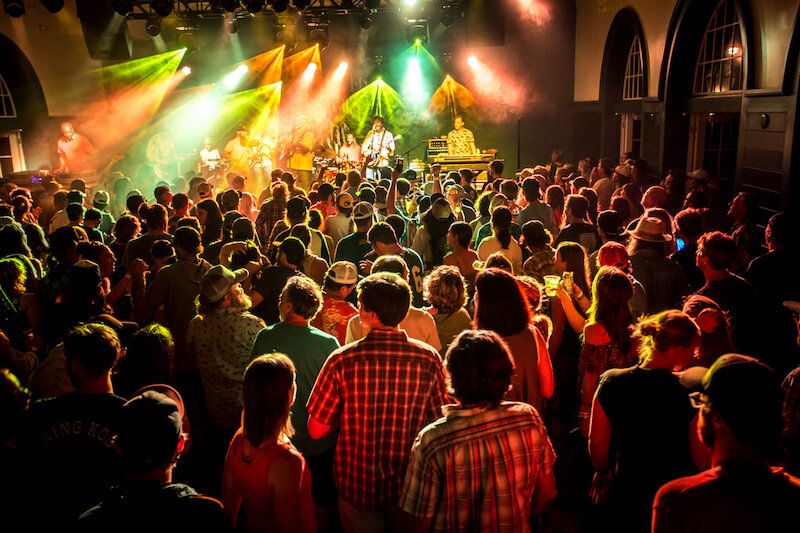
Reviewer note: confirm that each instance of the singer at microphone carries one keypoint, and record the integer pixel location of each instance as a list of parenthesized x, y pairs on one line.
[(378, 146)]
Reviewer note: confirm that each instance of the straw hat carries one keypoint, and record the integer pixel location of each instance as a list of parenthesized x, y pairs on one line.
[(649, 229)]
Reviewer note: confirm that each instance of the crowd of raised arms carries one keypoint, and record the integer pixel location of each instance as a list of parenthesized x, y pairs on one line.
[(569, 348)]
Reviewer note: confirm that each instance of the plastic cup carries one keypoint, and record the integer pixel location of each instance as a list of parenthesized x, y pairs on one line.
[(551, 284)]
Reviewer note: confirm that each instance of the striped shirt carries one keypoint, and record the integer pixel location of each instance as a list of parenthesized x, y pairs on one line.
[(381, 391), (476, 469)]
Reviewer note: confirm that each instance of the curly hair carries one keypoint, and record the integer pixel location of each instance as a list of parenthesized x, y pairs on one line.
[(445, 289)]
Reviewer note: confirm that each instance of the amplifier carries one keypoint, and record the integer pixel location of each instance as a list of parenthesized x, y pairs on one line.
[(437, 145)]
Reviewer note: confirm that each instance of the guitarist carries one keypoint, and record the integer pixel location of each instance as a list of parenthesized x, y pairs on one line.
[(239, 152), (378, 146), (297, 152)]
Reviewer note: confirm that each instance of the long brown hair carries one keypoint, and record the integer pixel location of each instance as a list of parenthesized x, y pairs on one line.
[(500, 306), (265, 391), (612, 290), (577, 262)]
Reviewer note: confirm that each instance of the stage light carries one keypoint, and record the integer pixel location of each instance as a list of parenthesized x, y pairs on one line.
[(186, 70), (254, 6), (364, 20), (123, 7), (14, 8), (232, 80), (319, 36), (472, 61), (301, 4), (284, 34), (417, 32), (232, 25), (308, 74), (342, 68), (153, 25), (279, 6), (410, 3), (189, 41), (53, 6), (162, 7)]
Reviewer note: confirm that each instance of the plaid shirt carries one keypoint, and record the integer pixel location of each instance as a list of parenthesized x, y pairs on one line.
[(476, 469), (380, 391), (271, 212), (540, 263)]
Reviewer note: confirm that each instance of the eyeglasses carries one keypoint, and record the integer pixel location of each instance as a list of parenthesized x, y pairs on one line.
[(698, 399)]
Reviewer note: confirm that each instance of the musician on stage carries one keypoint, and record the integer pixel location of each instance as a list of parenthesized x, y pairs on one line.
[(75, 151), (460, 140), (349, 153), (239, 152), (296, 152), (378, 146), (161, 154)]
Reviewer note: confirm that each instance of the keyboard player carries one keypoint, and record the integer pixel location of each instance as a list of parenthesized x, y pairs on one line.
[(460, 140)]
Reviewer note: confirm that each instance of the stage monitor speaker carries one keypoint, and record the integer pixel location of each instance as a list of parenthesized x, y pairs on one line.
[(485, 23), (105, 31)]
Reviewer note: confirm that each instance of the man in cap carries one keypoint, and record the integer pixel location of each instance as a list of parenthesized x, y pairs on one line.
[(340, 281), (355, 246), (150, 441), (430, 241), (66, 443), (100, 202), (740, 422), (340, 224), (220, 338), (536, 208), (610, 228), (266, 291)]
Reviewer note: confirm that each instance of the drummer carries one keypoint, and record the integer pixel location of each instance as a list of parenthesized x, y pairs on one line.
[(210, 159), (349, 156)]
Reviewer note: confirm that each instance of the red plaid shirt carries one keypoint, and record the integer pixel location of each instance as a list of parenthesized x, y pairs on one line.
[(380, 391), (476, 469)]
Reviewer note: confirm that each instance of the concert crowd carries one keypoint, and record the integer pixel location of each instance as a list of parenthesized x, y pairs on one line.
[(569, 348)]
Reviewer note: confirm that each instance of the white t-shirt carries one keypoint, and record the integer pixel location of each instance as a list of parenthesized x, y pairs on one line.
[(418, 324), (337, 226), (513, 253)]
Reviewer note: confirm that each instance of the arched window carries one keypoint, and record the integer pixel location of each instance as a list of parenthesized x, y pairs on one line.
[(7, 109), (632, 87), (719, 63)]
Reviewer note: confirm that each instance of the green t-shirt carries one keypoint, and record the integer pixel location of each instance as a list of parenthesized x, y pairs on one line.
[(353, 248), (308, 348)]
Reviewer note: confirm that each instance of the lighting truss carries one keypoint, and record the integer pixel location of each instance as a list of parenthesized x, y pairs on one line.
[(142, 9)]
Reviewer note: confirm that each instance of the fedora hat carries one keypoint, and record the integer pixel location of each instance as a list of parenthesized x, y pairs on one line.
[(649, 229)]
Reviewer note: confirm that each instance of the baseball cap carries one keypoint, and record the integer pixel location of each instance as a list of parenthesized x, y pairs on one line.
[(613, 254), (345, 200), (625, 170), (296, 207), (218, 281), (84, 275), (149, 428), (229, 218), (230, 199), (205, 190), (100, 199), (343, 272), (746, 393), (363, 210), (610, 222), (294, 250)]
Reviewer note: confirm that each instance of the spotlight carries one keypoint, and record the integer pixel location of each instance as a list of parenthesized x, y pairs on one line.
[(279, 6), (229, 5), (233, 79), (311, 69), (189, 41), (123, 7), (14, 8), (232, 25), (472, 61), (319, 36), (53, 6), (417, 32), (284, 35), (186, 70), (162, 7), (254, 6), (153, 25), (410, 3), (364, 20)]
